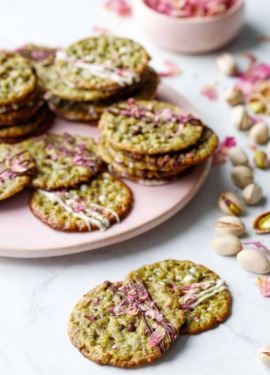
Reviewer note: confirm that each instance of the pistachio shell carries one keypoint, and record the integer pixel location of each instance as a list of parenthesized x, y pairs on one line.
[(242, 176), (262, 223), (234, 96), (261, 160), (264, 354), (252, 194), (230, 204), (230, 225), (227, 244), (252, 260), (240, 118), (237, 156), (227, 64), (259, 133)]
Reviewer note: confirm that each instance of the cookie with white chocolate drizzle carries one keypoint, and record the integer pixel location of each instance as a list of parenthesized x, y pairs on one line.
[(88, 207), (62, 160), (203, 296), (16, 170), (123, 324)]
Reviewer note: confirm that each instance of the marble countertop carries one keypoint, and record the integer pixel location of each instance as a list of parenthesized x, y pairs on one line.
[(37, 295)]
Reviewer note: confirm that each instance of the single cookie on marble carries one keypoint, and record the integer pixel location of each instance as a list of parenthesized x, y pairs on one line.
[(62, 160), (96, 205), (102, 63), (149, 127), (17, 79), (16, 170), (203, 296), (125, 324)]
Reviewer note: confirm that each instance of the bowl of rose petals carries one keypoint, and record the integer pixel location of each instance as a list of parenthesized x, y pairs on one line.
[(190, 26)]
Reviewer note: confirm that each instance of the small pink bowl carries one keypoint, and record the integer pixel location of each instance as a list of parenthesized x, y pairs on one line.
[(190, 35)]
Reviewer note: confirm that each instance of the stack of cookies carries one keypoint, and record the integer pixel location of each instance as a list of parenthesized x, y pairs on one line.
[(23, 111), (92, 74), (135, 321), (152, 142)]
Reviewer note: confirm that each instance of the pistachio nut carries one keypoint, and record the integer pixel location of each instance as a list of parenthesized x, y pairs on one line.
[(234, 96), (258, 104), (262, 223), (237, 156), (230, 204), (240, 118), (230, 225), (259, 133), (226, 64), (261, 160), (268, 146), (252, 260), (227, 244), (252, 194), (264, 354), (242, 176)]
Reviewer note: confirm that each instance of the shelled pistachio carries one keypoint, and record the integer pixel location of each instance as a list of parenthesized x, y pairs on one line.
[(234, 96), (230, 225), (238, 156), (259, 133), (240, 118), (227, 244), (230, 204), (254, 261), (252, 194), (242, 176), (226, 64)]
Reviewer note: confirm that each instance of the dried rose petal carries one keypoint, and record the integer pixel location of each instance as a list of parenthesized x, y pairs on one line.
[(90, 317), (209, 92), (120, 7), (264, 285), (157, 336), (172, 69), (220, 156)]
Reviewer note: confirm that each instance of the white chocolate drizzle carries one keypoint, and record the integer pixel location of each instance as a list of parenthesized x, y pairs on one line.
[(210, 292), (91, 217)]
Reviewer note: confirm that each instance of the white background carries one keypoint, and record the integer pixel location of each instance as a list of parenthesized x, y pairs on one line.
[(36, 296)]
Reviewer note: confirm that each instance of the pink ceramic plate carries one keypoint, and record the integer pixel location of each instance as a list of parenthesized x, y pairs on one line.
[(22, 235)]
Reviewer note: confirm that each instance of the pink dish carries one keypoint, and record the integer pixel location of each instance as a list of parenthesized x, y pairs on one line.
[(190, 35), (23, 236)]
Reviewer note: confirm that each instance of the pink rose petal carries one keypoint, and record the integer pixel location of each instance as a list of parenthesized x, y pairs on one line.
[(172, 69), (209, 92), (157, 336), (264, 285), (120, 7), (259, 245)]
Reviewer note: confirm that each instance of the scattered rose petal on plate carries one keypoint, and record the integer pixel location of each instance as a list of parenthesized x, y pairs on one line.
[(264, 285), (259, 245), (209, 92), (120, 7), (172, 69), (100, 30)]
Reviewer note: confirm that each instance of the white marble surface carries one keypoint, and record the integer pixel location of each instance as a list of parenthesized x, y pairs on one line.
[(37, 295)]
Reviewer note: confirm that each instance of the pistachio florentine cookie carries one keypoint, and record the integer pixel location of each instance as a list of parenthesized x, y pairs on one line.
[(103, 62), (98, 204), (16, 169), (164, 163), (203, 296), (17, 78), (125, 324), (62, 160), (149, 127), (90, 111)]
